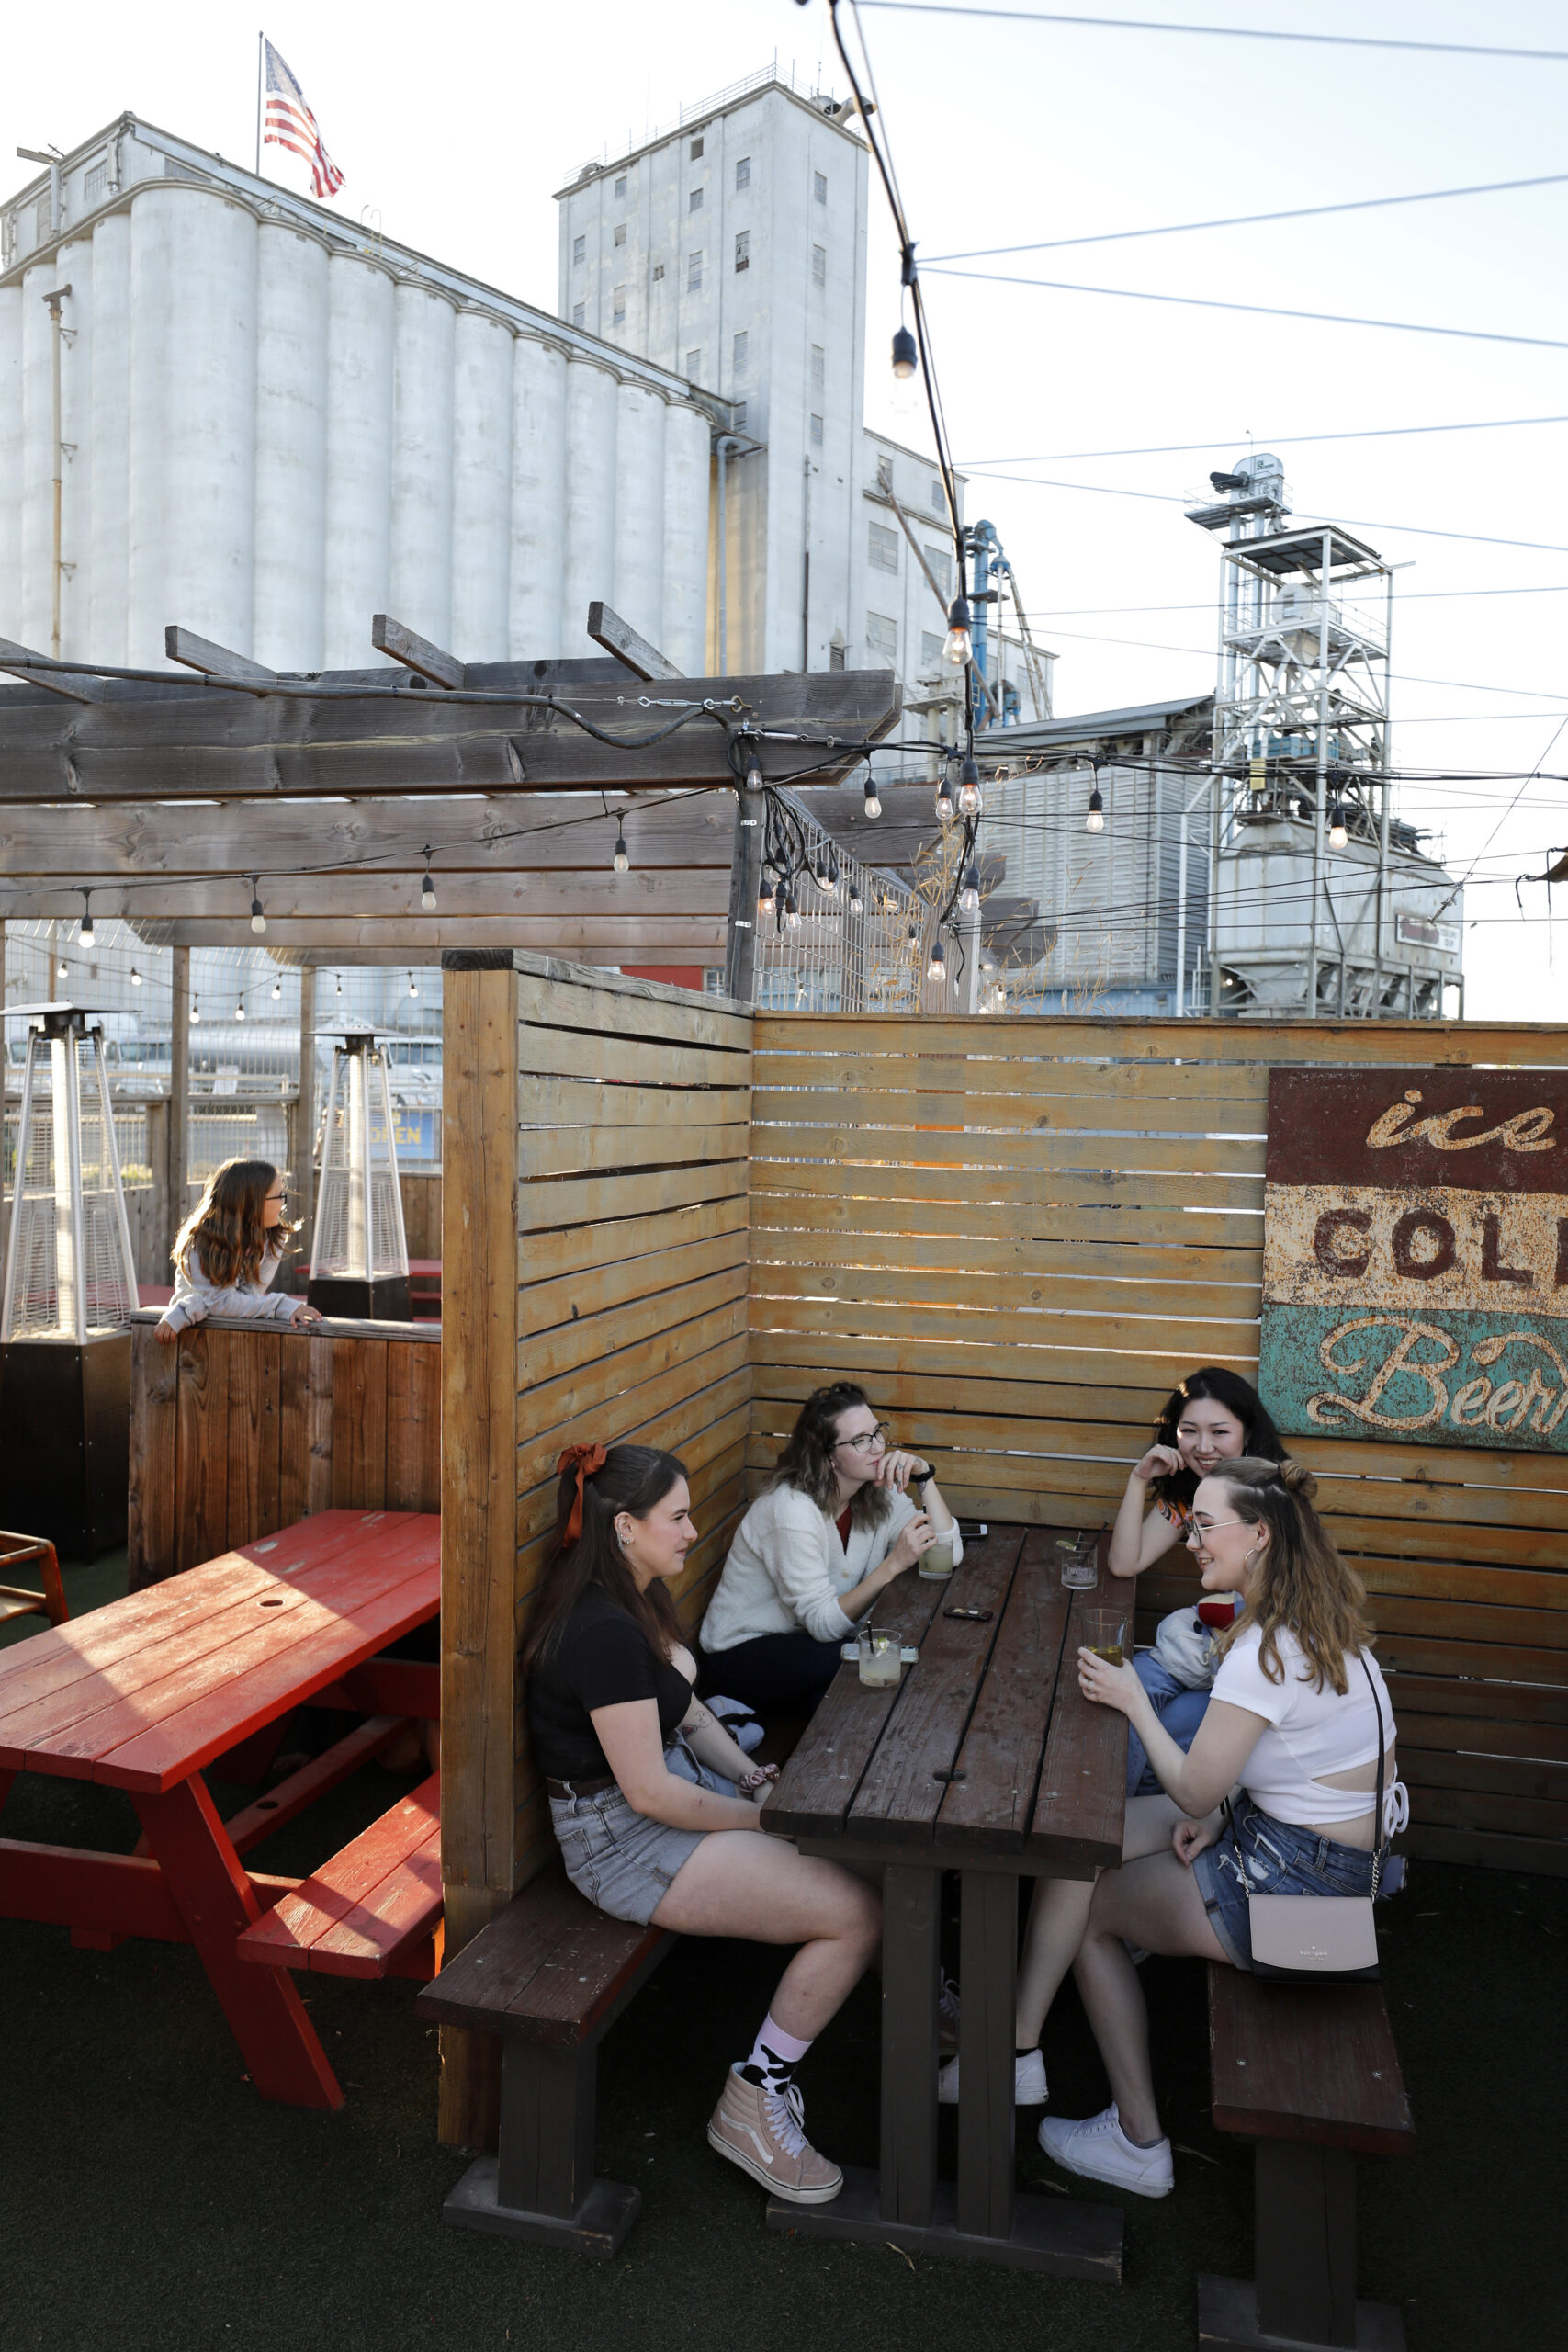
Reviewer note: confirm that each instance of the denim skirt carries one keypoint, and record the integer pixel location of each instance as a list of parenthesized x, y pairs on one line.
[(620, 1860), (1255, 1854)]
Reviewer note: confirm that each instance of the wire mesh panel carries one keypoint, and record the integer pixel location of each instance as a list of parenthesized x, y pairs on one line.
[(360, 1215), (838, 936), (70, 1269)]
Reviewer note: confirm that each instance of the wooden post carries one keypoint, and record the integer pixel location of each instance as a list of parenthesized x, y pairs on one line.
[(478, 1492), (5, 1085), (179, 1100), (302, 1175)]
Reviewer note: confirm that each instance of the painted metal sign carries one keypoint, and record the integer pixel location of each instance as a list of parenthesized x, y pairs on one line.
[(1415, 1256)]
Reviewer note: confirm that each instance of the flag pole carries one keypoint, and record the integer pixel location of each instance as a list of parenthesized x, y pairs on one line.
[(260, 76)]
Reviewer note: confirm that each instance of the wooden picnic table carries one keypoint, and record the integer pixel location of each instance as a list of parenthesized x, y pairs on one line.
[(143, 1693), (988, 1761)]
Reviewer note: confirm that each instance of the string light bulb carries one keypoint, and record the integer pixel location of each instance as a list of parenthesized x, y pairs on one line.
[(856, 903), (872, 805), (1338, 831), (754, 778), (914, 945), (791, 912), (969, 897), (957, 645), (622, 859), (831, 885), (426, 893), (87, 932), (767, 899), (277, 987), (944, 800), (414, 985), (905, 354), (135, 977), (937, 968), (239, 1008), (63, 970), (969, 800), (258, 918), (195, 1010), (1094, 821)]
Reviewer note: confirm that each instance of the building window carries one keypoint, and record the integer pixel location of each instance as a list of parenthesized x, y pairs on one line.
[(658, 271), (819, 265), (835, 656), (743, 250), (939, 499), (883, 551), (578, 313), (696, 151), (819, 187), (621, 184), (738, 353), (817, 432), (621, 233), (930, 649), (941, 570), (881, 637), (579, 252), (740, 407), (694, 200), (819, 369), (694, 273), (618, 307), (744, 173), (694, 364)]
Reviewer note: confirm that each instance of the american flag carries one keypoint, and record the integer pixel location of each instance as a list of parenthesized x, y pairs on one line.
[(290, 123)]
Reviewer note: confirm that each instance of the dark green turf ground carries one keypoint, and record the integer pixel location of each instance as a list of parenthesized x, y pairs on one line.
[(150, 2202)]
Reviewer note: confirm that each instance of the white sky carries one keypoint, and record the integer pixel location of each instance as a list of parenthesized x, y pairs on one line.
[(455, 128)]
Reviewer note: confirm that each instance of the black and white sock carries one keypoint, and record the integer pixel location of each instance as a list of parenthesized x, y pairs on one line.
[(774, 2056)]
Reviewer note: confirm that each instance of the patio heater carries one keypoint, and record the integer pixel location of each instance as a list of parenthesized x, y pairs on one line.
[(70, 1291), (359, 1260)]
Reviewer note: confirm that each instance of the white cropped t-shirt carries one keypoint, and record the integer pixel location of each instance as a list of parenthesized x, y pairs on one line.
[(1311, 1731)]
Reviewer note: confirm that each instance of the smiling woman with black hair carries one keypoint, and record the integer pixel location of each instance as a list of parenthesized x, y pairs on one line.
[(609, 1696)]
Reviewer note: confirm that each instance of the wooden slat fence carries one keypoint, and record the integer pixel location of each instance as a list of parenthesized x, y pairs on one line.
[(595, 1268), (236, 1432), (1019, 1236)]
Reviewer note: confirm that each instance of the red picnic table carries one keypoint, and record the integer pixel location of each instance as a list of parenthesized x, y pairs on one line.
[(141, 1695)]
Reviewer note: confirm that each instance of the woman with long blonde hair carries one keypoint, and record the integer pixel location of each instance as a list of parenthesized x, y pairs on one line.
[(229, 1251), (1297, 1720)]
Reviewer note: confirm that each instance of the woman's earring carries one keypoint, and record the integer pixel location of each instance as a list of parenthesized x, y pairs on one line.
[(1250, 1563)]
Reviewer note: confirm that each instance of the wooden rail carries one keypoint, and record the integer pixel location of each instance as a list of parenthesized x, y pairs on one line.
[(238, 1430)]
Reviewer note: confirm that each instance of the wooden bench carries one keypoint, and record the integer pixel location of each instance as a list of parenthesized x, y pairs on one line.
[(373, 1910), (21, 1600), (1311, 2074), (550, 1976)]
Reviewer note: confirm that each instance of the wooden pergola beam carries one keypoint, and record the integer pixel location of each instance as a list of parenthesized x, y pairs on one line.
[(205, 743), (594, 893), (677, 939), (415, 652)]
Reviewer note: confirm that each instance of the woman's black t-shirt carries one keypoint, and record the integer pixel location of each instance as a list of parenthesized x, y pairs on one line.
[(601, 1658)]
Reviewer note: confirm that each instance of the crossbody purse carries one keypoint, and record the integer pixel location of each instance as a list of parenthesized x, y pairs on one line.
[(1315, 1936)]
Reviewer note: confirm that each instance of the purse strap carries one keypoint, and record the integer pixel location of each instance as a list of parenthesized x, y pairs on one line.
[(1381, 1843)]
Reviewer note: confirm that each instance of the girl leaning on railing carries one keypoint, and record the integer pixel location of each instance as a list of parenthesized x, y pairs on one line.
[(229, 1252)]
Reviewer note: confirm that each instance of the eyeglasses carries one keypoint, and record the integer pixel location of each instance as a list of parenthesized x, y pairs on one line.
[(864, 1443), (1207, 1527), (281, 1198)]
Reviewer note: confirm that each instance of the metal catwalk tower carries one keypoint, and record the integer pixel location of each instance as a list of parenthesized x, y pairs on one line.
[(1324, 902)]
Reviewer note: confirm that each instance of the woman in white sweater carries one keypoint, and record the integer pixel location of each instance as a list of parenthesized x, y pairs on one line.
[(229, 1250), (836, 1525)]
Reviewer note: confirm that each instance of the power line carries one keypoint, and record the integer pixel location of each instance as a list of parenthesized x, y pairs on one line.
[(1246, 219), (1051, 614), (1252, 309), (1265, 440), (1359, 522), (1222, 32)]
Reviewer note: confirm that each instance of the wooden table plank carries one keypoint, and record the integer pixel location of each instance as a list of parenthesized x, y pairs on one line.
[(818, 1785), (1076, 1826), (352, 1904), (992, 1806), (899, 1795), (99, 1642)]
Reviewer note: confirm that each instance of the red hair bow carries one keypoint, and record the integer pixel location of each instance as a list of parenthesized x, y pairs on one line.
[(585, 1460)]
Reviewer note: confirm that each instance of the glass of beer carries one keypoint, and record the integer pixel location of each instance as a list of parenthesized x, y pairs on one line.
[(1080, 1569), (936, 1560), (1105, 1632), (881, 1658)]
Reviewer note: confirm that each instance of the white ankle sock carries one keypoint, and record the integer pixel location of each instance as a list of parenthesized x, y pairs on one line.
[(774, 2056)]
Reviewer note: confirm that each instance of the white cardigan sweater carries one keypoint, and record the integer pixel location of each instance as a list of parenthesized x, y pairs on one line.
[(195, 1298), (787, 1569)]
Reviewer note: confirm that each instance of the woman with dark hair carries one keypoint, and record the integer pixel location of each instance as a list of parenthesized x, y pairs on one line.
[(835, 1526), (229, 1250), (1299, 1716), (1214, 1416), (609, 1693)]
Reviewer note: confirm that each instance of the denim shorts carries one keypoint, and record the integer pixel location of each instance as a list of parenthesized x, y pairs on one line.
[(620, 1860), (1258, 1855)]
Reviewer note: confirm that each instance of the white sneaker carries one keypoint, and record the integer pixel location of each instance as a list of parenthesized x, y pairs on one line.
[(1028, 2078), (1101, 2150)]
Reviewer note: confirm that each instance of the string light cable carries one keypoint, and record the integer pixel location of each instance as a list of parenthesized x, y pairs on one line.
[(1220, 32)]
